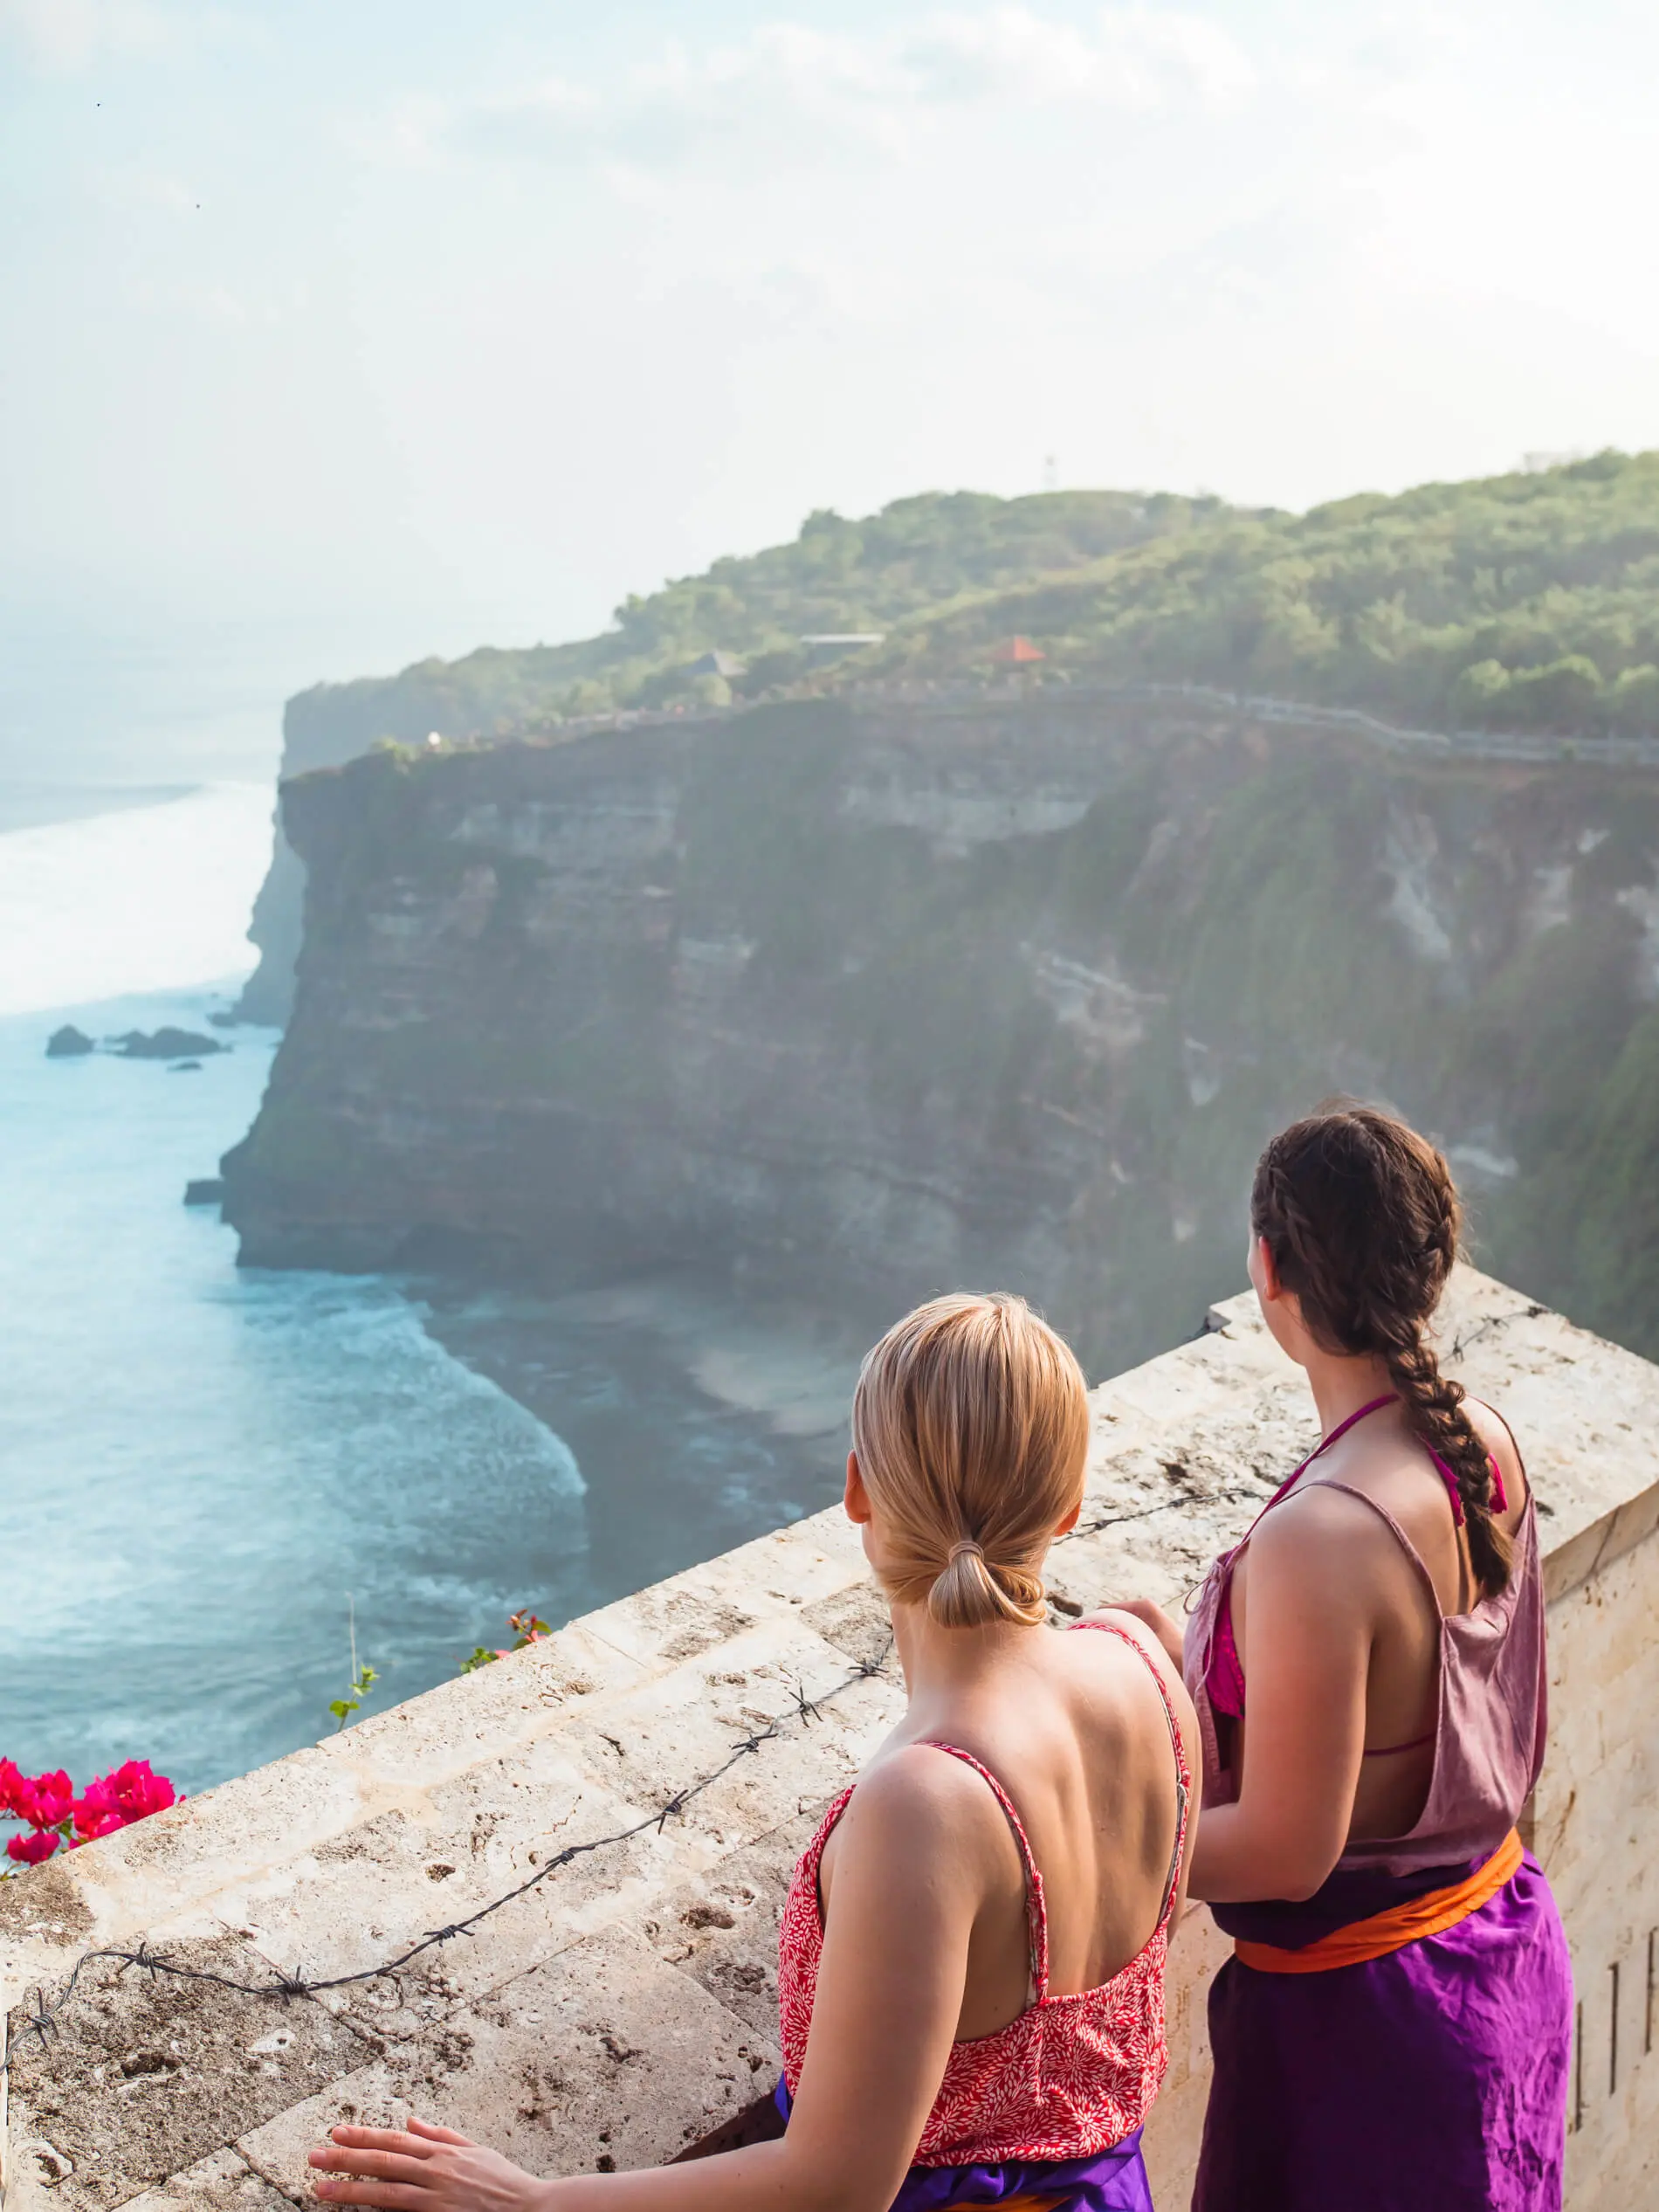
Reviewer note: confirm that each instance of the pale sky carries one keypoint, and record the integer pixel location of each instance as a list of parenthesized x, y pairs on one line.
[(334, 332)]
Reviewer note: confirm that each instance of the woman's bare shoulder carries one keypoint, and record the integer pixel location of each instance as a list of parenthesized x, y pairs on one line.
[(1322, 1524), (1162, 1662), (921, 1789)]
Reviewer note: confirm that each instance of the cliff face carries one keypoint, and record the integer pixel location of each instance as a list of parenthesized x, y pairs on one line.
[(333, 723), (879, 1002), (937, 551)]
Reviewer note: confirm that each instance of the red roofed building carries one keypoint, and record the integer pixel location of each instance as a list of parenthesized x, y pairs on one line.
[(1016, 652)]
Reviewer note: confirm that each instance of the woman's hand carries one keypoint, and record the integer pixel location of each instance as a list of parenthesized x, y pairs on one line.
[(1152, 1617), (423, 2169)]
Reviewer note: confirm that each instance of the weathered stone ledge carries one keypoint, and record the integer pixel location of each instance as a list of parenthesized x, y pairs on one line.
[(624, 2007)]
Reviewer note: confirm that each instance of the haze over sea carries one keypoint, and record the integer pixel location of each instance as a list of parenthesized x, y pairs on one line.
[(203, 1467)]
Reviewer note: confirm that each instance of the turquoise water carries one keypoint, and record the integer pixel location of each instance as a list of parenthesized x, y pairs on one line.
[(202, 1466), (206, 1472)]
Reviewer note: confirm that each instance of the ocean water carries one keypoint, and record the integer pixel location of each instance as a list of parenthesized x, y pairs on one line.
[(132, 896), (208, 1474)]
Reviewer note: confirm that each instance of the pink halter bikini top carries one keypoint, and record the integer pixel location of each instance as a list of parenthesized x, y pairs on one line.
[(1072, 2076), (1225, 1678)]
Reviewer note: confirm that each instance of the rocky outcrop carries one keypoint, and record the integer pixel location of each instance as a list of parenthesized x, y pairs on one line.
[(68, 1044), (166, 1043), (869, 1002)]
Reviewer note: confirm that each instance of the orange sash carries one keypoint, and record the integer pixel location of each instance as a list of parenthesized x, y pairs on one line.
[(1391, 1930)]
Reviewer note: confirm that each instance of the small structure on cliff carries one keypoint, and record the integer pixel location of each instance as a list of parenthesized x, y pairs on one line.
[(823, 646), (540, 1903)]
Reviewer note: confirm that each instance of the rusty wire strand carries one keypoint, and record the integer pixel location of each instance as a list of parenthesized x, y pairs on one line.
[(41, 2023)]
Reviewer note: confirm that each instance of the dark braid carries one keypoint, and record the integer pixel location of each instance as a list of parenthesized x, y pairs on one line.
[(1362, 1218)]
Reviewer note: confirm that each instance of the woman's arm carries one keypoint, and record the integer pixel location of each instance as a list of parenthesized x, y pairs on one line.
[(1312, 1602), (1152, 1616), (917, 1855)]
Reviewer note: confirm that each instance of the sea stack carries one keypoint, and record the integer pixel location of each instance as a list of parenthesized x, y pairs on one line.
[(167, 1044)]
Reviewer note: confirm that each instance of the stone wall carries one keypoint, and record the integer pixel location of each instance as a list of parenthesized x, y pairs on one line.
[(623, 2008)]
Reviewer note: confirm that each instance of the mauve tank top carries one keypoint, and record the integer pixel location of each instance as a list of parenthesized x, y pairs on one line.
[(1492, 1716)]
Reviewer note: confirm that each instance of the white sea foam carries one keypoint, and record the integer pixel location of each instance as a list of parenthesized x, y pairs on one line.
[(148, 898)]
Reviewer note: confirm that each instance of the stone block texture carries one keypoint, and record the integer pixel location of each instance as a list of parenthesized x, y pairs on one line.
[(621, 2005)]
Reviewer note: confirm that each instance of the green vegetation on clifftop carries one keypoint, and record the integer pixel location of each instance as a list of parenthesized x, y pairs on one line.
[(1522, 602), (915, 558)]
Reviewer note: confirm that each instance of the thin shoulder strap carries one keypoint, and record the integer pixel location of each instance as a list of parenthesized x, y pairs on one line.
[(1288, 1486), (1514, 1443), (1036, 1911), (1396, 1532), (1183, 1770)]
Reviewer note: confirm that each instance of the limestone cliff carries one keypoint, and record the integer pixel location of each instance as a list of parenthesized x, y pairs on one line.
[(877, 1000), (755, 613), (333, 723)]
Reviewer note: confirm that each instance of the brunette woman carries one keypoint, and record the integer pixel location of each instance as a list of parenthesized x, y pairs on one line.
[(1368, 1669), (971, 1967)]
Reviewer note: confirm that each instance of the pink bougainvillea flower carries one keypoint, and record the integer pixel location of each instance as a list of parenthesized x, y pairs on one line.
[(31, 1849), (49, 1804), (136, 1792), (87, 1831), (43, 1800), (97, 1813)]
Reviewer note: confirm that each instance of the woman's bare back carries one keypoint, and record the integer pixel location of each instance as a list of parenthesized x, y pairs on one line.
[(1072, 1726), (1386, 1464)]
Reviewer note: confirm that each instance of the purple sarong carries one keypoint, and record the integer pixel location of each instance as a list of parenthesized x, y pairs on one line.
[(1113, 2181), (1432, 2079)]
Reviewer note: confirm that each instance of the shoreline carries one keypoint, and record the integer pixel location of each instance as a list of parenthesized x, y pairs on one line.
[(737, 1423)]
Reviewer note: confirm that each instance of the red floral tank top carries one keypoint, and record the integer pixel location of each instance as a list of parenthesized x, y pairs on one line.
[(1072, 2075)]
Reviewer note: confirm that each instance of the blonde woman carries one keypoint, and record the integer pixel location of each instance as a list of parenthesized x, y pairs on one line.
[(971, 1968)]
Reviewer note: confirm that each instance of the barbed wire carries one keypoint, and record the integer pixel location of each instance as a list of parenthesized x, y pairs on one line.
[(1473, 1333), (1116, 1520), (40, 2024)]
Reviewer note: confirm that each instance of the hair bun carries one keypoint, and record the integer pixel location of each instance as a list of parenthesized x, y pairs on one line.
[(970, 1424)]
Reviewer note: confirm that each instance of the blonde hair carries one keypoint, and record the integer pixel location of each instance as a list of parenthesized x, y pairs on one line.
[(971, 1424)]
